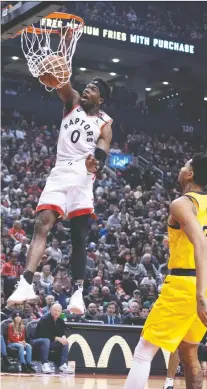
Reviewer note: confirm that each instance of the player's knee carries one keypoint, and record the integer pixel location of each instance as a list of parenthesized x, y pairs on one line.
[(44, 223), (145, 351)]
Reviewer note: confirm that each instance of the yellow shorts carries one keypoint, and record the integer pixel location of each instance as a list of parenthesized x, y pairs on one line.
[(174, 317)]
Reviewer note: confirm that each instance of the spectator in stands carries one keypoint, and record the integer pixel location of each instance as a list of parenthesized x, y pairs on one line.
[(135, 268), (134, 309), (9, 272), (49, 301), (114, 219), (50, 335), (149, 280), (110, 317), (59, 294), (16, 233), (54, 252), (148, 265), (127, 284), (91, 313), (92, 297), (144, 312), (24, 243), (62, 277), (46, 279), (5, 362), (107, 296), (29, 312), (16, 340)]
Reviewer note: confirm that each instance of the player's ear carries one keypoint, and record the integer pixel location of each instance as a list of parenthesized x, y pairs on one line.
[(100, 101)]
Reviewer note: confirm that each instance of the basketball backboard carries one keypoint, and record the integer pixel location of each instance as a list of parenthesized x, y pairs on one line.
[(16, 15)]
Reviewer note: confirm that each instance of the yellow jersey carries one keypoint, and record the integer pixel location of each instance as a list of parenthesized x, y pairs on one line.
[(181, 249)]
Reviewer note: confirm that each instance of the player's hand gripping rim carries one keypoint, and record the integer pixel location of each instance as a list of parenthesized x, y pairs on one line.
[(92, 165)]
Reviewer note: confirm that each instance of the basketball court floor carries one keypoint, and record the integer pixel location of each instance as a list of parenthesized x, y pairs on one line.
[(78, 382)]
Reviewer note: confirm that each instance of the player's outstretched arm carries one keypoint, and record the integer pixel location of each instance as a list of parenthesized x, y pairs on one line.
[(68, 95), (103, 145), (184, 212)]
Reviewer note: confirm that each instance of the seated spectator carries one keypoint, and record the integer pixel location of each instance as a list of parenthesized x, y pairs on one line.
[(46, 279), (62, 277), (16, 340), (127, 284), (5, 363), (54, 252), (29, 312), (98, 282), (10, 274), (144, 312), (59, 295), (110, 317), (16, 233), (134, 308), (92, 297), (148, 265), (24, 243), (42, 263), (91, 313), (49, 301), (149, 280), (107, 296), (50, 335), (114, 219), (36, 282), (135, 268)]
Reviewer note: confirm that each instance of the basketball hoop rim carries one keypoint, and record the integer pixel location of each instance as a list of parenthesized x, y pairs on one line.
[(54, 15)]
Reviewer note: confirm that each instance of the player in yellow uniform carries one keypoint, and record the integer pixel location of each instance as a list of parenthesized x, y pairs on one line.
[(179, 316)]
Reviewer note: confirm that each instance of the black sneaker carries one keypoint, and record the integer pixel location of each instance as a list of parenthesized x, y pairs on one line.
[(30, 369), (24, 368)]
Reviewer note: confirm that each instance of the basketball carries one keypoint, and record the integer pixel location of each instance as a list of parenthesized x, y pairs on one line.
[(53, 71)]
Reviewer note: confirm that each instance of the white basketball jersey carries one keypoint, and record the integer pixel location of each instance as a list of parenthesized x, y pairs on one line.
[(79, 134)]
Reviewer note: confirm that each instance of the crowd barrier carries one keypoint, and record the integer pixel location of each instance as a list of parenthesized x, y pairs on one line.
[(108, 349)]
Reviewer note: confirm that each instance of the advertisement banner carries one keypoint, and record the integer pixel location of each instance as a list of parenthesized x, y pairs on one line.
[(99, 348)]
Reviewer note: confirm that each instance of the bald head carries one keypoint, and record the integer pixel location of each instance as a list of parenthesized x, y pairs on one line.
[(56, 310)]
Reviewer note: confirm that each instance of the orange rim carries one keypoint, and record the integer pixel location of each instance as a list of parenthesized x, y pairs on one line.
[(54, 15)]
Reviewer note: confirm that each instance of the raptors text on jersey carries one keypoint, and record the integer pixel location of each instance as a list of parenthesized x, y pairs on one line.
[(79, 134)]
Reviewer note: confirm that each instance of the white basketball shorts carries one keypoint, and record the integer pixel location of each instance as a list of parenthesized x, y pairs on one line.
[(68, 190)]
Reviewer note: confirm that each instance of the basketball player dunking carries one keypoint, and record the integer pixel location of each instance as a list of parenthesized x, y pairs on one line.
[(83, 144), (179, 316)]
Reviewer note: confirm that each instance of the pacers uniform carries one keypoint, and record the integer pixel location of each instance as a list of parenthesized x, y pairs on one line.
[(174, 317), (69, 187)]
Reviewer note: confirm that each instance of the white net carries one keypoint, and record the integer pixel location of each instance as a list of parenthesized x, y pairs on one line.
[(49, 50)]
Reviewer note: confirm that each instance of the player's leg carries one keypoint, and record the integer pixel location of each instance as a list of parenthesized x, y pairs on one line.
[(51, 205), (43, 225), (172, 368), (140, 370), (79, 233), (193, 373), (79, 208)]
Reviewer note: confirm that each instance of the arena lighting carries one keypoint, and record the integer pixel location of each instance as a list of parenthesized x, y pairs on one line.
[(83, 69), (112, 74), (15, 58), (115, 60), (172, 95), (176, 69), (205, 98), (148, 89), (165, 82), (168, 97), (176, 94)]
